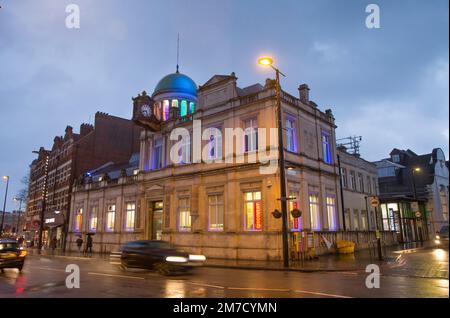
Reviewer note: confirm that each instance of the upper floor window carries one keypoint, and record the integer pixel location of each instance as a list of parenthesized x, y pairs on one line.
[(191, 107), (185, 150), (352, 181), (251, 135), (175, 103), (361, 182), (344, 178), (214, 144), (291, 144), (157, 154), (369, 185), (395, 158), (326, 148)]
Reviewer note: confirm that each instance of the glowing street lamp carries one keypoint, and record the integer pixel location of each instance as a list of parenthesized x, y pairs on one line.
[(268, 61)]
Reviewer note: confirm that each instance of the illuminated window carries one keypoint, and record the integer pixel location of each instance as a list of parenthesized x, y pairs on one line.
[(296, 223), (191, 108), (291, 144), (166, 109), (175, 103), (185, 215), (253, 211), (93, 218), (183, 108), (215, 203), (110, 217), (130, 216), (331, 213), (251, 135), (326, 148), (78, 220), (314, 211)]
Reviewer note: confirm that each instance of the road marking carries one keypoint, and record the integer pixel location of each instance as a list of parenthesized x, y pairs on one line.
[(51, 269), (321, 294), (259, 289), (120, 276), (207, 285)]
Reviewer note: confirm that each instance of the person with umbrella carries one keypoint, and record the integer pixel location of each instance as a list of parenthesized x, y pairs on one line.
[(79, 242)]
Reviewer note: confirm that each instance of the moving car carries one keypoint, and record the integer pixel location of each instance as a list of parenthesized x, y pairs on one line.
[(12, 255), (159, 256)]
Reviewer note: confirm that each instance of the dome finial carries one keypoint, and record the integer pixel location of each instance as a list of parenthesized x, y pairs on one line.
[(178, 52)]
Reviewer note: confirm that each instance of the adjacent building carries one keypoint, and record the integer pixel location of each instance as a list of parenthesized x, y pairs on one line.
[(414, 192), (13, 222), (53, 173), (208, 177), (359, 181)]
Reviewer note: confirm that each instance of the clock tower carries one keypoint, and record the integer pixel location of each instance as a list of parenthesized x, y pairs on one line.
[(144, 113)]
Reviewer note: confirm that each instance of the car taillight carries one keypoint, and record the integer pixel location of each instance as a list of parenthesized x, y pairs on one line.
[(23, 253)]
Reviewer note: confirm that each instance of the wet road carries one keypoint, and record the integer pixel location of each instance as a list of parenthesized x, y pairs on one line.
[(420, 273)]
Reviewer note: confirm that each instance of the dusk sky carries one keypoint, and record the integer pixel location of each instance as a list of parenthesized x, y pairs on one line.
[(389, 85)]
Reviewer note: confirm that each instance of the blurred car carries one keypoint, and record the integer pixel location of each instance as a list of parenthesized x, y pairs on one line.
[(159, 256), (12, 255), (443, 233)]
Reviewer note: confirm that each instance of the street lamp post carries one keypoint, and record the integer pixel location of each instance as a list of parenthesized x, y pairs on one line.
[(413, 173), (267, 61), (20, 212), (6, 178)]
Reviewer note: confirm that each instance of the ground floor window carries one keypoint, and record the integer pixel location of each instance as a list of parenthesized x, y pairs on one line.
[(130, 216), (93, 218), (364, 220), (78, 220), (110, 217), (185, 215), (215, 204), (355, 220), (388, 214), (314, 211), (253, 211), (331, 212), (348, 225), (296, 223)]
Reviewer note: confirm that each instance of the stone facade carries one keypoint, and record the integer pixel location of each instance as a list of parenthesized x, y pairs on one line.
[(221, 209)]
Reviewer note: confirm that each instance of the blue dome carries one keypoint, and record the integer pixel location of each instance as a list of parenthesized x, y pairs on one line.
[(176, 83)]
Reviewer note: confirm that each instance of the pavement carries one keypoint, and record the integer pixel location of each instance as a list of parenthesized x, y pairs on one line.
[(415, 272)]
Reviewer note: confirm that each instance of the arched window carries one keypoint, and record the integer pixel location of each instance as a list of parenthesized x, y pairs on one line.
[(175, 103), (183, 109), (157, 110), (166, 109), (78, 220), (191, 108)]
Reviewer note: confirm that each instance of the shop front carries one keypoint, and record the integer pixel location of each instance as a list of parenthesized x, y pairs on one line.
[(407, 218)]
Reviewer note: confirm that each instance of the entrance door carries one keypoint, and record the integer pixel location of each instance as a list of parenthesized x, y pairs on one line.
[(156, 217)]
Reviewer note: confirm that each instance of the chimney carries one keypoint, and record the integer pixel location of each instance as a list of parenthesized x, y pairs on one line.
[(304, 93), (85, 129)]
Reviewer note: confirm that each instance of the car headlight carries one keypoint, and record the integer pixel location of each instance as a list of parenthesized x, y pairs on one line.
[(437, 242), (438, 237), (23, 253), (201, 258), (176, 259)]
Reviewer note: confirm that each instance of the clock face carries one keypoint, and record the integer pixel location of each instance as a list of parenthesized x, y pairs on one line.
[(145, 110)]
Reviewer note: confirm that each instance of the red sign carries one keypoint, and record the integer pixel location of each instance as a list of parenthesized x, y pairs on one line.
[(258, 215)]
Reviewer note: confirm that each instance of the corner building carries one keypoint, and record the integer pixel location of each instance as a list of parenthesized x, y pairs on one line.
[(221, 209)]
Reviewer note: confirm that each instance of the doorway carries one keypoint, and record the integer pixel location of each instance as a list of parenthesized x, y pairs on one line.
[(155, 217)]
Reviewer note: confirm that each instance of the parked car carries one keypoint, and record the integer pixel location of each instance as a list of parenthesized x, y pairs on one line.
[(11, 254), (158, 255)]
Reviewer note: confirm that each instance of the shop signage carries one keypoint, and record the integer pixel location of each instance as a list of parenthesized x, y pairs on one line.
[(51, 220)]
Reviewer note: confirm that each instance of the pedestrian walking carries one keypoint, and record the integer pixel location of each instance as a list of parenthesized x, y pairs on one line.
[(53, 243), (79, 242), (89, 242)]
